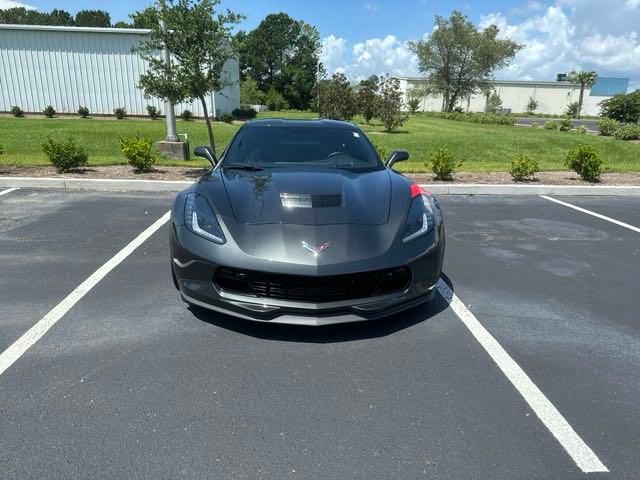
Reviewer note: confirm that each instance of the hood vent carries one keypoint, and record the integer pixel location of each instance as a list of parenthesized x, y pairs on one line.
[(307, 200)]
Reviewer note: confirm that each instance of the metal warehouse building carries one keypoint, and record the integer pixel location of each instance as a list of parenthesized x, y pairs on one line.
[(552, 97), (67, 67)]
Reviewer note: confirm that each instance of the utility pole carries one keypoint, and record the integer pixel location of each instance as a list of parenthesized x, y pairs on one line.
[(170, 113)]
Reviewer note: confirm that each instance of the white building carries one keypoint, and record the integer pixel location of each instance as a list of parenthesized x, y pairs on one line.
[(68, 67), (552, 97)]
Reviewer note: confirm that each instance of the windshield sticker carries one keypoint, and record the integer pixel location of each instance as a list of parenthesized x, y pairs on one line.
[(356, 134)]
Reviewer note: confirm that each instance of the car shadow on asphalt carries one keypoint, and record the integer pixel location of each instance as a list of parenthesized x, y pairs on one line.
[(346, 332)]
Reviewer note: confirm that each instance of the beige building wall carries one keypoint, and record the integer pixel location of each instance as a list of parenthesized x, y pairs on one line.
[(552, 97)]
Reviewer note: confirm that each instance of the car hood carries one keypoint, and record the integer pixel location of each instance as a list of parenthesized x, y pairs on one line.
[(308, 197)]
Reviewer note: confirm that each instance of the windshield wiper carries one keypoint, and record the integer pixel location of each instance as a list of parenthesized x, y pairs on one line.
[(241, 166)]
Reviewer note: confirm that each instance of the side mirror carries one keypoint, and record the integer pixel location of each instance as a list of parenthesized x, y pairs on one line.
[(397, 156), (206, 152)]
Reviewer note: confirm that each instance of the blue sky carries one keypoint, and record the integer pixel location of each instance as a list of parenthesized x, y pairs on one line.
[(362, 37)]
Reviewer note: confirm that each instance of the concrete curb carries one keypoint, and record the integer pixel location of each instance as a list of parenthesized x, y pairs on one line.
[(124, 185), (563, 190), (96, 184)]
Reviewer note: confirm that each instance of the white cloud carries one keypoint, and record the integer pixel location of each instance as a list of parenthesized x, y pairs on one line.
[(4, 4), (573, 35), (371, 8), (373, 56), (568, 35)]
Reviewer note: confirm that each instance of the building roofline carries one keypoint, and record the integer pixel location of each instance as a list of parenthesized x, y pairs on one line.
[(57, 28), (545, 83)]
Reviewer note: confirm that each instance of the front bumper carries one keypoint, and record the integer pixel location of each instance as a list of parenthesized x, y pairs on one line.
[(194, 276)]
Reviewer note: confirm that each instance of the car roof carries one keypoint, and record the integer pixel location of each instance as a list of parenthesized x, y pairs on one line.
[(314, 123)]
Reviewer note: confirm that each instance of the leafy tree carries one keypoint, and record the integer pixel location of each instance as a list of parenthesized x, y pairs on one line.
[(367, 97), (275, 101), (93, 18), (414, 97), (338, 102), (22, 16), (623, 108), (249, 93), (61, 18), (458, 59), (584, 79), (281, 53), (390, 105), (494, 102), (147, 18), (532, 105), (199, 42)]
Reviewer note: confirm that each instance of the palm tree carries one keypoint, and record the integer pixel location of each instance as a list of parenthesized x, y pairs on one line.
[(584, 79)]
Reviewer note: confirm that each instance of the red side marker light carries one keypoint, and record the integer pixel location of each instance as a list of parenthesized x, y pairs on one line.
[(415, 190)]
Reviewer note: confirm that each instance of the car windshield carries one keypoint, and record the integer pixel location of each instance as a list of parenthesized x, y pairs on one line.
[(282, 146)]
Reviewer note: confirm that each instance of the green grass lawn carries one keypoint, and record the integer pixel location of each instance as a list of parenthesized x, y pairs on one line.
[(481, 147)]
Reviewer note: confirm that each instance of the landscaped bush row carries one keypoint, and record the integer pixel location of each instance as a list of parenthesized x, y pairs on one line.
[(564, 125), (474, 117), (242, 113), (585, 160), (609, 127), (68, 155)]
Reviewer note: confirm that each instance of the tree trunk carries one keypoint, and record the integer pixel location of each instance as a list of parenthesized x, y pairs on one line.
[(212, 141), (580, 99)]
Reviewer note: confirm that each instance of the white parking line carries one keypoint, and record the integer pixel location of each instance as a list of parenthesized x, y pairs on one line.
[(35, 333), (577, 449), (8, 190), (593, 214)]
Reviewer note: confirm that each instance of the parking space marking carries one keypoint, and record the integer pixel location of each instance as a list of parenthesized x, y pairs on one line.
[(593, 214), (35, 333), (8, 190), (577, 449)]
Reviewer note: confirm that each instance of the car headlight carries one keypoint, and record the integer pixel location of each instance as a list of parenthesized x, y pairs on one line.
[(200, 219), (423, 215)]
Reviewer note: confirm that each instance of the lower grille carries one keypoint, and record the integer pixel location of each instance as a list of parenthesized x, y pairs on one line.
[(302, 288)]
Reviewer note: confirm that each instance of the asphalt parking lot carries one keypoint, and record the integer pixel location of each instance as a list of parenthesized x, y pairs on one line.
[(530, 372)]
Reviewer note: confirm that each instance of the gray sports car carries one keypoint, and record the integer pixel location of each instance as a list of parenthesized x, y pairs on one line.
[(300, 222)]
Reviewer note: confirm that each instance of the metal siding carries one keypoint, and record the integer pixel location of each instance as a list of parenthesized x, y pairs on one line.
[(67, 68)]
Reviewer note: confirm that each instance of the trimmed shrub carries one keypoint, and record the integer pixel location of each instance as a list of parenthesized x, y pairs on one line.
[(474, 117), (564, 125), (49, 111), (524, 168), (443, 164), (65, 155), (581, 129), (226, 117), (532, 105), (17, 112), (153, 112), (628, 132), (186, 115), (120, 112), (83, 112), (139, 152), (551, 125), (608, 127), (586, 161), (383, 152), (244, 113), (572, 110)]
